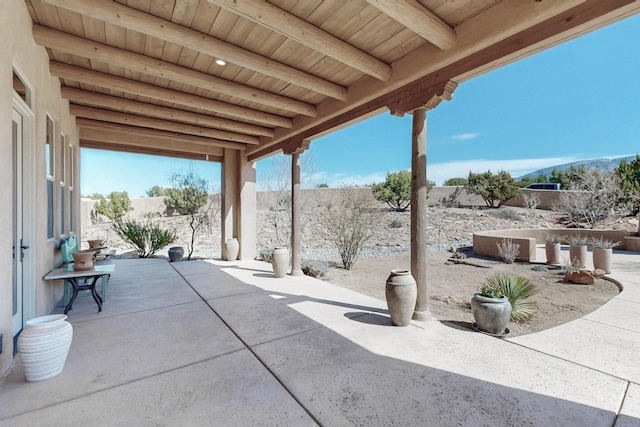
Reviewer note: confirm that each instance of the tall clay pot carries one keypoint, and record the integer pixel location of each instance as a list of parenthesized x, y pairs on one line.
[(401, 292), (232, 247), (578, 256), (602, 259), (554, 253), (43, 346), (280, 261), (491, 314)]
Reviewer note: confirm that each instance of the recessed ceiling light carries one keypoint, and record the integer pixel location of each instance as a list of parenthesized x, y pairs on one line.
[(221, 62)]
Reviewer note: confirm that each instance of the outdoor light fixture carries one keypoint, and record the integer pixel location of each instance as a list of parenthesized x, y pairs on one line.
[(221, 62)]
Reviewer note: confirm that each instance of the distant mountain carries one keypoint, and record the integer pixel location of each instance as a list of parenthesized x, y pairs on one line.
[(603, 164)]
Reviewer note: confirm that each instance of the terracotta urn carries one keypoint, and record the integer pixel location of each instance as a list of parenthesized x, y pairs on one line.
[(95, 243), (401, 293), (83, 260)]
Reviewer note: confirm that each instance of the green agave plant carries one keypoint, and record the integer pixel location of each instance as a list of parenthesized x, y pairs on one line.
[(517, 289)]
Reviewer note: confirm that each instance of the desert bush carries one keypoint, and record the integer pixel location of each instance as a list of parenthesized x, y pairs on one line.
[(629, 177), (595, 197), (156, 191), (347, 223), (530, 201), (190, 197), (518, 290), (508, 251), (264, 254), (506, 213), (396, 190), (314, 268), (145, 237), (396, 223), (115, 206), (494, 189)]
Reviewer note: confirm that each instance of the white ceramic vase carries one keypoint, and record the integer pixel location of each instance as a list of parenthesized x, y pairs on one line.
[(280, 261), (43, 346), (232, 247)]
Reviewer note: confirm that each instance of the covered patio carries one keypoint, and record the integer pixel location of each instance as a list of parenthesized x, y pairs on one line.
[(225, 343)]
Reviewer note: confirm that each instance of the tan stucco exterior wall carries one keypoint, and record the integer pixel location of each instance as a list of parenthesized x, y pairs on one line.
[(32, 63)]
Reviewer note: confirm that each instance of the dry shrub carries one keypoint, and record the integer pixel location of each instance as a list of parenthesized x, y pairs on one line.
[(508, 251)]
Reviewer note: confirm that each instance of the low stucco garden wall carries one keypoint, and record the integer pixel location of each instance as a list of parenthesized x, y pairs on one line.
[(485, 243)]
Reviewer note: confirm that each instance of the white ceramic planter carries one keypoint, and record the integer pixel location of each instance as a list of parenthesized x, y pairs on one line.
[(553, 252), (280, 262), (602, 259), (43, 346), (578, 256), (232, 247)]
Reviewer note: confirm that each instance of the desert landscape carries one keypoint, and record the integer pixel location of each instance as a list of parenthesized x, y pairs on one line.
[(450, 285)]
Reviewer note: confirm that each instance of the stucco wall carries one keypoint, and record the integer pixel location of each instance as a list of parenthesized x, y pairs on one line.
[(32, 61)]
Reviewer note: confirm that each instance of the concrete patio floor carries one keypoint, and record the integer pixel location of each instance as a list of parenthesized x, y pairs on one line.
[(226, 344)]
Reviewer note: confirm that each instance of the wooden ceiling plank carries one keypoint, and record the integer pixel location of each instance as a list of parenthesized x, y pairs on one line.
[(155, 123), (176, 138), (307, 34), (127, 17), (58, 40), (482, 32), (81, 75), (136, 107), (418, 19)]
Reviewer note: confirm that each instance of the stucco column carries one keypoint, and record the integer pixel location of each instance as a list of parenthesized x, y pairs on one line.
[(419, 211), (238, 203), (296, 247)]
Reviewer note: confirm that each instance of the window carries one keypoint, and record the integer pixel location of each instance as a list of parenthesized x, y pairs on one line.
[(63, 157), (21, 88), (70, 179), (49, 163)]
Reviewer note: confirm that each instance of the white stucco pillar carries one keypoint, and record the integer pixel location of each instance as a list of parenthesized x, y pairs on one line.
[(238, 203)]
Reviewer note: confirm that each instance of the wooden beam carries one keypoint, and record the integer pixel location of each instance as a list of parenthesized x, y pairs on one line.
[(127, 17), (159, 135), (427, 98), (418, 19), (134, 87), (67, 43), (481, 40), (165, 152), (96, 99), (146, 141), (153, 123), (301, 31)]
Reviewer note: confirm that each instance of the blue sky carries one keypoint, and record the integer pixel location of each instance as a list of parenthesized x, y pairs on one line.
[(577, 101)]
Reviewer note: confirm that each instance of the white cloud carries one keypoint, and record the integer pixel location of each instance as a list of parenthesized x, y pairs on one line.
[(439, 172), (466, 136)]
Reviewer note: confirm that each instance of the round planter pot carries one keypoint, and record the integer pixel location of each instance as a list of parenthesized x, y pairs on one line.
[(280, 261), (401, 293), (602, 259), (232, 247), (554, 253), (83, 261), (491, 314), (578, 256), (43, 346), (176, 253), (94, 243)]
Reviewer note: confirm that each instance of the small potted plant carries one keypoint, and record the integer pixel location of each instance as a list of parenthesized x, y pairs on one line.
[(491, 309), (552, 248), (578, 250), (602, 252)]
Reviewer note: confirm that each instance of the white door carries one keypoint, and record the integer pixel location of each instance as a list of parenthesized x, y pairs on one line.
[(19, 245)]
